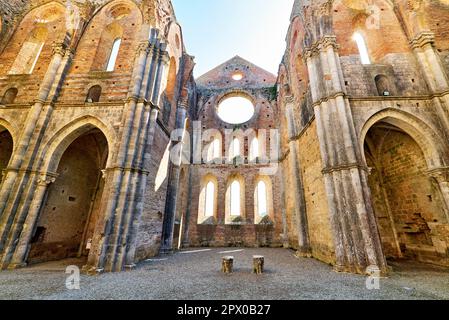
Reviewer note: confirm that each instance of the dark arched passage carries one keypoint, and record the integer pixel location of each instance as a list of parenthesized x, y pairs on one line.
[(71, 207)]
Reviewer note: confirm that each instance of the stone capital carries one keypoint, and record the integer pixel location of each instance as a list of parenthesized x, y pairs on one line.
[(328, 41), (164, 57), (309, 52), (59, 48), (289, 99), (183, 104), (46, 179), (422, 39), (439, 174), (132, 98), (154, 107), (143, 47), (344, 167)]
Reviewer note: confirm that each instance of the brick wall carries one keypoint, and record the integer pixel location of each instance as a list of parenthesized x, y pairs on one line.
[(401, 70), (69, 211), (403, 191), (320, 233), (150, 227), (257, 85)]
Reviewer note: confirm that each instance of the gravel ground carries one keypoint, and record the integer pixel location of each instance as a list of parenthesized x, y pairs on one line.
[(196, 275)]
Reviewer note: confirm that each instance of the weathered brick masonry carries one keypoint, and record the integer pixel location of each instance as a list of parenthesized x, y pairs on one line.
[(97, 97), (377, 187)]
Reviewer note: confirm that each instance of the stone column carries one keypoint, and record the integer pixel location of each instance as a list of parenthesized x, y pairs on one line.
[(125, 201), (285, 236), (159, 61), (141, 185), (104, 253), (357, 241), (185, 232), (295, 167), (22, 248), (433, 70), (425, 52), (138, 174), (172, 192), (135, 180), (15, 173)]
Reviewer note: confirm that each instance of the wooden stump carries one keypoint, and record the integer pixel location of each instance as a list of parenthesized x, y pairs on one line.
[(258, 264), (227, 264)]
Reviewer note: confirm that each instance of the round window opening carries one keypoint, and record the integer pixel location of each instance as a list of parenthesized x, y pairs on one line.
[(236, 110), (237, 76)]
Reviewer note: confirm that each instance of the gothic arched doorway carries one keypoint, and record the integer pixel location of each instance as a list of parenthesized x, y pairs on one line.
[(407, 202), (71, 207)]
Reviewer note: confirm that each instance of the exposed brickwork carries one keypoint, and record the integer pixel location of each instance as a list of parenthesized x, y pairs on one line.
[(315, 195), (362, 173), (258, 85), (68, 191), (407, 48), (69, 215), (149, 235), (415, 204)]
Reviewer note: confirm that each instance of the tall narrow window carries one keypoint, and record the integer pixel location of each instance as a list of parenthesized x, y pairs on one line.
[(171, 80), (262, 208), (235, 198), (235, 148), (254, 149), (36, 57), (214, 150), (114, 53), (28, 55), (363, 49), (210, 199)]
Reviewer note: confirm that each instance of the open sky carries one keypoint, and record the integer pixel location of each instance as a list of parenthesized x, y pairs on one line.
[(216, 30)]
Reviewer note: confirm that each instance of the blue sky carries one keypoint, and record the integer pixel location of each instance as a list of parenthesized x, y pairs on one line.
[(217, 30)]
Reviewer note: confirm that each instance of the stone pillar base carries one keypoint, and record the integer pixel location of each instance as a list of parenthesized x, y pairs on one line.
[(91, 271), (185, 245), (302, 253), (340, 269), (15, 266), (130, 267), (166, 251)]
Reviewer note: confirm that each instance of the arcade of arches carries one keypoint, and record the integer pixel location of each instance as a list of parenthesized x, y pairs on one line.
[(342, 156)]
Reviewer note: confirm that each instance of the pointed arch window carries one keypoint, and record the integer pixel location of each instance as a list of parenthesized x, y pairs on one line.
[(235, 148), (114, 54), (214, 150), (254, 149), (30, 52), (209, 200), (262, 199), (235, 199), (207, 204), (363, 49)]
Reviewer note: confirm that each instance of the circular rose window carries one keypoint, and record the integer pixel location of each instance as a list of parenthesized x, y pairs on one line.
[(236, 110)]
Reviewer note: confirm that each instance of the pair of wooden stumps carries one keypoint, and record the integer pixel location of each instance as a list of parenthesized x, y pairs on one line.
[(227, 264)]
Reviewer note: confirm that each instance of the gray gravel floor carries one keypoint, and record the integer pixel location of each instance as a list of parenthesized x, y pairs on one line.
[(197, 276)]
